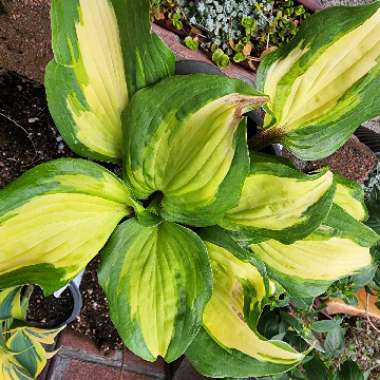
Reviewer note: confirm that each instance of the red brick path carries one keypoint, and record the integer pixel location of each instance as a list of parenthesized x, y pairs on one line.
[(79, 359)]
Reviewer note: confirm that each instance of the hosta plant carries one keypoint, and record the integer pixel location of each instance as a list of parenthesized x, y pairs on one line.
[(323, 84), (199, 233), (23, 348)]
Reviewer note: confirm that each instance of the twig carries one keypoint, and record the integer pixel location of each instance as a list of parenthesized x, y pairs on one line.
[(15, 123), (367, 315), (254, 59)]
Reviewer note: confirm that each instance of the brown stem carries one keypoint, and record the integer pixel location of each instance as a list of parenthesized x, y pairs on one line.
[(264, 138)]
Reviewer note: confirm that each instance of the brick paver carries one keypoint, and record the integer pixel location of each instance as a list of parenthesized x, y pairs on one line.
[(79, 359), (186, 372), (78, 370)]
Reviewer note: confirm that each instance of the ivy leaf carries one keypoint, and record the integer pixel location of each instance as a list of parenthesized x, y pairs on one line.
[(350, 371), (334, 343), (315, 369), (324, 326)]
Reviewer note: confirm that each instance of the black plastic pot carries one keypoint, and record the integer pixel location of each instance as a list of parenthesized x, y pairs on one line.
[(369, 138), (71, 315), (195, 67)]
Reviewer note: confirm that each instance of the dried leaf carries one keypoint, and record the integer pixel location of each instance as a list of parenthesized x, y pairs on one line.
[(247, 49), (366, 306)]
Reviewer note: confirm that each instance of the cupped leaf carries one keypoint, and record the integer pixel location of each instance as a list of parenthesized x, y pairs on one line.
[(157, 280), (229, 344), (10, 368), (55, 218), (10, 304), (190, 146), (279, 202), (27, 346), (325, 82), (350, 197), (104, 51), (306, 268)]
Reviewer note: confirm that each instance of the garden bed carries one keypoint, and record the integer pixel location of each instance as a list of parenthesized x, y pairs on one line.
[(237, 32)]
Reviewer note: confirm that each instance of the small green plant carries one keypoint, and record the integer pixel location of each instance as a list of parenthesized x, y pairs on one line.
[(244, 29), (176, 20), (328, 361), (23, 353), (199, 234), (191, 43), (220, 59)]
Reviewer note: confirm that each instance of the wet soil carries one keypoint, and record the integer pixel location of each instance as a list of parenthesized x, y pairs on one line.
[(49, 312), (354, 161), (25, 36), (27, 133), (94, 320)]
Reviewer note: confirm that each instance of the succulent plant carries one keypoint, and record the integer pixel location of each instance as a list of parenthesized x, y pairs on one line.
[(269, 23)]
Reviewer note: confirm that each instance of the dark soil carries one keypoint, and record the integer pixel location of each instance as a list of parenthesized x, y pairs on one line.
[(354, 161), (362, 344), (25, 36), (94, 320), (27, 134), (49, 312)]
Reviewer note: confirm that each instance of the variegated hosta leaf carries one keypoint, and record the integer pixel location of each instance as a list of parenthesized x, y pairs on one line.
[(10, 304), (191, 145), (350, 196), (279, 202), (157, 280), (26, 352), (104, 52), (325, 82), (229, 344), (10, 368), (339, 248), (55, 218)]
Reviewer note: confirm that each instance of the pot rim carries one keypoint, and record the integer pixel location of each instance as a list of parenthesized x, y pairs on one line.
[(77, 306), (313, 5)]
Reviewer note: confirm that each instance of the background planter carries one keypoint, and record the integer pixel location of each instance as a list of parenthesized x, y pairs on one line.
[(369, 138), (312, 4), (56, 321)]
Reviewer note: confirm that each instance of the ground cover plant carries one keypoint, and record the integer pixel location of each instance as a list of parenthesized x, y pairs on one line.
[(199, 235), (233, 31)]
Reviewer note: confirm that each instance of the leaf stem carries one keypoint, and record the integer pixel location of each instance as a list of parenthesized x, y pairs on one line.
[(26, 297), (28, 292)]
